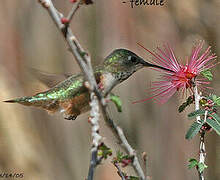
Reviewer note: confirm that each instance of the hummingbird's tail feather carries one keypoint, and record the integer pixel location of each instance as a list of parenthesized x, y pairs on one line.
[(23, 100), (50, 105), (10, 101)]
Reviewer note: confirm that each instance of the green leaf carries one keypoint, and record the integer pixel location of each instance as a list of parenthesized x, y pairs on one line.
[(207, 74), (217, 101), (216, 117), (82, 53), (133, 178), (116, 100), (215, 125), (193, 130), (185, 104), (201, 167), (104, 151), (213, 97), (182, 107), (192, 163), (196, 113), (120, 157)]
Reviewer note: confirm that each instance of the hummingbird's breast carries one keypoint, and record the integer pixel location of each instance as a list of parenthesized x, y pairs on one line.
[(107, 82)]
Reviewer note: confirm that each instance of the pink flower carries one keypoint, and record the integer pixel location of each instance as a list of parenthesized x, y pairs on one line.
[(182, 77)]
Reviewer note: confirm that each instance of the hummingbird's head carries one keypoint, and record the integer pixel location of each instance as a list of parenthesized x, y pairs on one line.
[(123, 63)]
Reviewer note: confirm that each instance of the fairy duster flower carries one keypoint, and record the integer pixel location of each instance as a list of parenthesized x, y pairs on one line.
[(183, 77)]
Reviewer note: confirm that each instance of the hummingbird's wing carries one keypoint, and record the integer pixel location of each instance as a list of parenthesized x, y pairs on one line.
[(49, 79), (62, 96)]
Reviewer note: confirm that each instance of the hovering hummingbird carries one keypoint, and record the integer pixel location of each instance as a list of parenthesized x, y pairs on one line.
[(72, 97)]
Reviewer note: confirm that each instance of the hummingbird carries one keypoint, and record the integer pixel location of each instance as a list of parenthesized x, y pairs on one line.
[(71, 96)]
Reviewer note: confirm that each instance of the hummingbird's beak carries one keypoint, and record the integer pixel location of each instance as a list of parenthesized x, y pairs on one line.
[(146, 64)]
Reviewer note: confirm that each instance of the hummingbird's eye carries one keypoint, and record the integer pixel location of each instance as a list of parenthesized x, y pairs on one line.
[(132, 59)]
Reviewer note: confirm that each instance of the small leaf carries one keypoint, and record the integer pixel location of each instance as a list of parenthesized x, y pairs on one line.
[(82, 54), (216, 117), (116, 100), (121, 158), (217, 101), (119, 155), (207, 74), (182, 107), (201, 167), (133, 178), (196, 113), (192, 163), (213, 97), (214, 125), (185, 104), (193, 130), (104, 151)]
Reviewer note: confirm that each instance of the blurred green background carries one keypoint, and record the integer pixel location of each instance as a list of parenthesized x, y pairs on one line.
[(46, 147)]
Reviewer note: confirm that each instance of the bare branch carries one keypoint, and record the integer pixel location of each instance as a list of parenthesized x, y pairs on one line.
[(73, 10), (94, 118), (84, 61), (202, 153)]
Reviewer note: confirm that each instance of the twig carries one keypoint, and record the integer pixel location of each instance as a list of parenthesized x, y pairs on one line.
[(120, 173), (67, 20), (73, 10), (84, 61), (202, 153)]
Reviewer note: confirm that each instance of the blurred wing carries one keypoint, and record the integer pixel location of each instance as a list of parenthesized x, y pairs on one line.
[(49, 79)]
